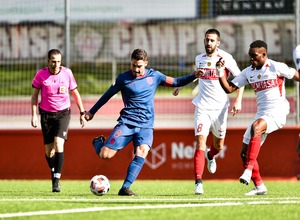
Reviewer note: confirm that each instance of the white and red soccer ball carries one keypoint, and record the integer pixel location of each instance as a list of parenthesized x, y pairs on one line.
[(99, 185)]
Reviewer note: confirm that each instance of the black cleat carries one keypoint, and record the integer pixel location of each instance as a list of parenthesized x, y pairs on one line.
[(95, 142), (101, 138), (55, 185), (126, 192)]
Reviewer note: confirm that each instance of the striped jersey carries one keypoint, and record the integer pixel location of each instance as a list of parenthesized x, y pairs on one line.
[(268, 84), (210, 94)]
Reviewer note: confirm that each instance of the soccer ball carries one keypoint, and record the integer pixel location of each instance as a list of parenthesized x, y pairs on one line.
[(99, 185)]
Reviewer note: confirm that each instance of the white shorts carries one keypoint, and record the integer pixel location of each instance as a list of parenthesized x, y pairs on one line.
[(274, 122), (210, 120)]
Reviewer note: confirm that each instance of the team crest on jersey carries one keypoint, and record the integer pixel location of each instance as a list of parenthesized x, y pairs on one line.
[(150, 80), (208, 63), (258, 76)]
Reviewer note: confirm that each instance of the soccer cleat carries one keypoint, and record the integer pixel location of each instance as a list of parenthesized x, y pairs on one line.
[(258, 190), (246, 177), (126, 192), (199, 189), (55, 185), (211, 164), (98, 143)]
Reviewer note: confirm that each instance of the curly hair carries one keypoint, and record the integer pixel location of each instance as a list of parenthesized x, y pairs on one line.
[(259, 44)]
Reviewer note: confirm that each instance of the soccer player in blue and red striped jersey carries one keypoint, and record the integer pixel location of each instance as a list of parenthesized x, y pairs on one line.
[(136, 121)]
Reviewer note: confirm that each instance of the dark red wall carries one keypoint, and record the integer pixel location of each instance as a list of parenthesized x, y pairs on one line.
[(22, 156)]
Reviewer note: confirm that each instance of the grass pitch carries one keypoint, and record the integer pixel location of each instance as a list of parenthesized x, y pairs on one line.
[(33, 199)]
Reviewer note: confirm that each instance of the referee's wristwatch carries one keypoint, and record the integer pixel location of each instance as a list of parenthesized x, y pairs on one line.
[(82, 113)]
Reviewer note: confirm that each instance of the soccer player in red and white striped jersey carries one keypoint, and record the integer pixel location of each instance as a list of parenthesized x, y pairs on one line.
[(267, 78)]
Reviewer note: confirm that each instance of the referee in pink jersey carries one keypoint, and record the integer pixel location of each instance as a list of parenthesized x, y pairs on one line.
[(55, 83)]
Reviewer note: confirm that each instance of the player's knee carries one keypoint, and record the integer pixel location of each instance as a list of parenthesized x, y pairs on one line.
[(106, 153), (105, 156)]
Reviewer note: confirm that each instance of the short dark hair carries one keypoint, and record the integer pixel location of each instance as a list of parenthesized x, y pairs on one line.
[(259, 44), (53, 51), (213, 31), (139, 54)]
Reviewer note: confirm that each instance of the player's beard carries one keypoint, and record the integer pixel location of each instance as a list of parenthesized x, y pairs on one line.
[(210, 50)]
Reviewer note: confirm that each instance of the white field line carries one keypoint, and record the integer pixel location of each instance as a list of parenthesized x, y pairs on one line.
[(160, 206), (103, 199)]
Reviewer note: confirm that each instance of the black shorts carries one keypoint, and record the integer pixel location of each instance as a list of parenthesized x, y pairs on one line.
[(55, 124)]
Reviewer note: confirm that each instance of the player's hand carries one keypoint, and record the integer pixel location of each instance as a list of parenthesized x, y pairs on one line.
[(176, 91), (237, 107), (220, 66), (88, 116), (82, 120), (200, 72), (34, 121)]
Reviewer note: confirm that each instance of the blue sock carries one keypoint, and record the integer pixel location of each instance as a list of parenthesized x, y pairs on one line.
[(133, 171), (98, 145)]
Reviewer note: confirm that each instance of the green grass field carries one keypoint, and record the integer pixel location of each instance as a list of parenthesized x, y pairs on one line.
[(33, 199)]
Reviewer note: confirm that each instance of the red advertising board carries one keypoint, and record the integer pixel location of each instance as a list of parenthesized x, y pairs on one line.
[(171, 157)]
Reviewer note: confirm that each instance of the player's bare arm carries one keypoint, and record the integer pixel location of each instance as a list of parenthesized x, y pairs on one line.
[(78, 101), (228, 87), (34, 104), (237, 106)]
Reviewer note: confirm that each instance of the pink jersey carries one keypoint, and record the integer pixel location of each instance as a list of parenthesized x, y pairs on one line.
[(268, 84), (54, 88), (210, 94)]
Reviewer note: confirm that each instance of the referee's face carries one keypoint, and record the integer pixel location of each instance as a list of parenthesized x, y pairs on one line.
[(54, 63), (211, 42)]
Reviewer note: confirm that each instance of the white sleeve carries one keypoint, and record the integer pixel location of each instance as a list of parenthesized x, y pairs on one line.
[(232, 66), (240, 80), (284, 70), (296, 57)]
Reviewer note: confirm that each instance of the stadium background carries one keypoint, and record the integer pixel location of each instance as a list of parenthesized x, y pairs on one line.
[(97, 38)]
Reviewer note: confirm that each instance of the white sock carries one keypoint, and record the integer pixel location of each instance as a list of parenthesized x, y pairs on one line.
[(57, 175)]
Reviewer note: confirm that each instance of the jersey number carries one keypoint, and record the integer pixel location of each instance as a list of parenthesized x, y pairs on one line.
[(199, 128)]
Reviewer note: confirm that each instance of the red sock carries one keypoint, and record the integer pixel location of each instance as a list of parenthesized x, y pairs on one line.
[(199, 161), (213, 152), (257, 180), (253, 150)]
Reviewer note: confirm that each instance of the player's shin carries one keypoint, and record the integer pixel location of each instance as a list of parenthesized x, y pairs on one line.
[(256, 178), (253, 151), (133, 171), (199, 162)]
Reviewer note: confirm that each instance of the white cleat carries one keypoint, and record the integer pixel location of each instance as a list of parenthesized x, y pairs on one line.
[(211, 164), (199, 189), (258, 190), (246, 177)]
